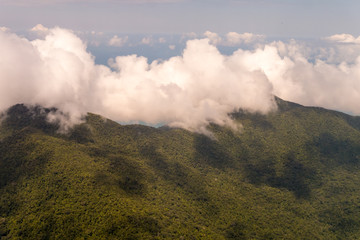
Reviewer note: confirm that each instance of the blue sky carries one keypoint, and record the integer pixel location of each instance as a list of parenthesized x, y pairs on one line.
[(274, 18)]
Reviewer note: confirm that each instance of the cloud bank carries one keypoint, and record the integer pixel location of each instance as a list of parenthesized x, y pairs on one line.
[(324, 81), (233, 38), (4, 29), (189, 91), (118, 41), (344, 38)]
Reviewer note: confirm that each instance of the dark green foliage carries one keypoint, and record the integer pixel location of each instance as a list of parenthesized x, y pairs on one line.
[(345, 151), (208, 151), (81, 134), (294, 177), (236, 231), (291, 174), (20, 116), (16, 160)]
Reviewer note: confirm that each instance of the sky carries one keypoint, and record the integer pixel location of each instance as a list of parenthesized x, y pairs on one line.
[(184, 63), (275, 18)]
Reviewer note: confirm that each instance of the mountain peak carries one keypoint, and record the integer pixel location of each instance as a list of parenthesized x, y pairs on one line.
[(21, 115)]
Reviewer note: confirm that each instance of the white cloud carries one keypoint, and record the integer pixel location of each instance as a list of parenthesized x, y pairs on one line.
[(51, 72), (188, 91), (344, 38), (191, 35), (118, 41), (96, 33), (187, 36), (234, 38), (39, 28), (4, 29), (172, 47), (295, 78), (147, 41), (162, 40), (213, 37)]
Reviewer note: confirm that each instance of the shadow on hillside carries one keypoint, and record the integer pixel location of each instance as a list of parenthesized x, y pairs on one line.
[(132, 227), (343, 151), (178, 175), (342, 219), (15, 161), (81, 134), (210, 152), (131, 177), (293, 177)]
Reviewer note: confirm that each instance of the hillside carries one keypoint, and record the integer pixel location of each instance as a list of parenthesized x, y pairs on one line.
[(292, 174)]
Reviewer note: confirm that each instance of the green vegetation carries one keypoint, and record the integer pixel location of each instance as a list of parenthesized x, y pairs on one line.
[(292, 174)]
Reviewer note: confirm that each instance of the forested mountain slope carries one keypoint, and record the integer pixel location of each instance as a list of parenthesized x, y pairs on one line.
[(291, 174)]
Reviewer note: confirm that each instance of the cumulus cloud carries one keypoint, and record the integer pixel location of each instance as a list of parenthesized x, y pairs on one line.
[(213, 37), (147, 40), (45, 71), (161, 40), (344, 38), (187, 36), (315, 83), (4, 29), (39, 28), (234, 38), (95, 33), (188, 91), (118, 41)]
